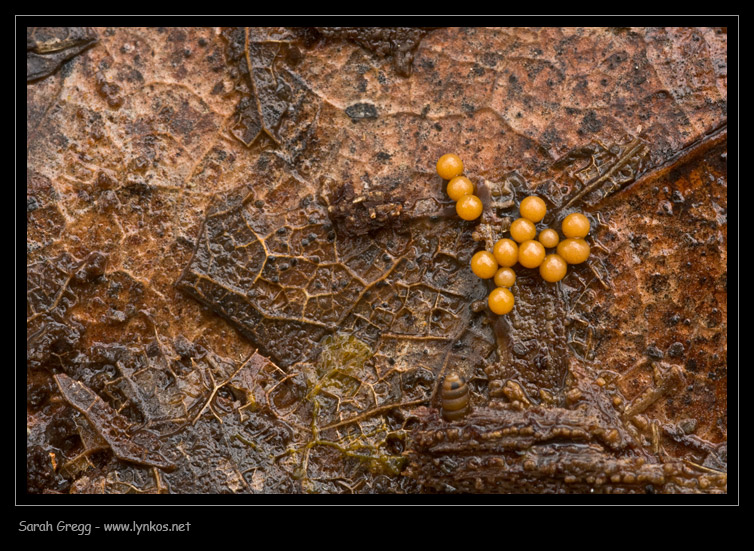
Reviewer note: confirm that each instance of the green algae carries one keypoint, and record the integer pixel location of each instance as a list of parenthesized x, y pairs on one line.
[(342, 375)]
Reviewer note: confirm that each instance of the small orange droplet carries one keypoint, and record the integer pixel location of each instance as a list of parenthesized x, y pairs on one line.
[(575, 225), (531, 254), (483, 264), (449, 166), (469, 207), (501, 301), (553, 268), (506, 252), (549, 238), (458, 187), (533, 208), (505, 277), (574, 251), (522, 230)]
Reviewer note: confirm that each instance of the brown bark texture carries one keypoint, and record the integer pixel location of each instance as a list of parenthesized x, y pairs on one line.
[(244, 274)]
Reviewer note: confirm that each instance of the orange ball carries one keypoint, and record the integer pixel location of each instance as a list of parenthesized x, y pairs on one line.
[(523, 230), (500, 301), (531, 253), (533, 208), (553, 268), (505, 277), (506, 252), (449, 166), (549, 238), (483, 264), (574, 251), (575, 225), (459, 186), (469, 207)]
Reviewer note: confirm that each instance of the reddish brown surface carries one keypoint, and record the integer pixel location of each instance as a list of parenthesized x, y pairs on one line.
[(139, 137), (670, 238)]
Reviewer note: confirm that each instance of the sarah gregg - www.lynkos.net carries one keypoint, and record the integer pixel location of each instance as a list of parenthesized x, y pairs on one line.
[(85, 529)]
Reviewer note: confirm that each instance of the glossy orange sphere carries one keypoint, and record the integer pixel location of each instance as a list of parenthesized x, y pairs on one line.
[(483, 264), (458, 187), (531, 254), (553, 268), (574, 251), (523, 230), (533, 208), (505, 277), (500, 301), (506, 252), (549, 238), (575, 225), (449, 166), (469, 207)]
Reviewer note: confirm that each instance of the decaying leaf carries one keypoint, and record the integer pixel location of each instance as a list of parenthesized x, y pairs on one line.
[(239, 249), (47, 48), (109, 424)]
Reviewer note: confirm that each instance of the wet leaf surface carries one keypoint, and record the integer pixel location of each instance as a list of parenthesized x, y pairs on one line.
[(47, 48), (240, 258)]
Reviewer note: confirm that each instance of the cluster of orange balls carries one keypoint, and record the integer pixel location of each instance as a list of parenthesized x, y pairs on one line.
[(521, 247), (460, 188)]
